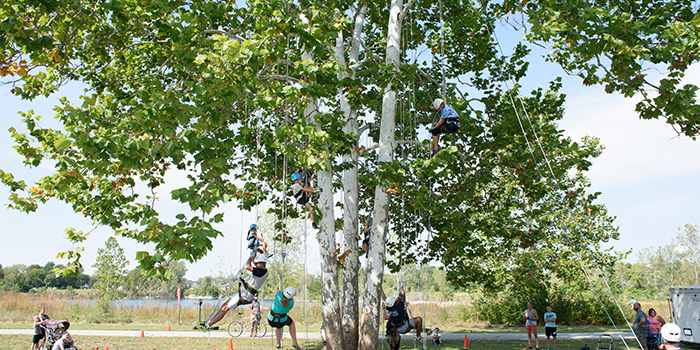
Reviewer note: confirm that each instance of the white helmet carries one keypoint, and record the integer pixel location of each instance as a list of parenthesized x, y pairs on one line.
[(437, 103), (261, 258), (671, 333), (390, 301), (289, 292)]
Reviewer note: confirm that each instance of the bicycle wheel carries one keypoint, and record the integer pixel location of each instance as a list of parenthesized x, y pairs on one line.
[(262, 329), (235, 329)]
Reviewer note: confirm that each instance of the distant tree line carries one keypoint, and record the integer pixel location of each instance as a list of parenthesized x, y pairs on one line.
[(660, 267), (568, 290), (23, 278), (565, 287)]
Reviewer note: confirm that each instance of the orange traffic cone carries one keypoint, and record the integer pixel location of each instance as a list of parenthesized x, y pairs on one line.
[(142, 335), (466, 341), (107, 348), (230, 344), (168, 328)]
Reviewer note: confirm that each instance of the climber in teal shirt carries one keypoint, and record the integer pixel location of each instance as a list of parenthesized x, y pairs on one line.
[(277, 318)]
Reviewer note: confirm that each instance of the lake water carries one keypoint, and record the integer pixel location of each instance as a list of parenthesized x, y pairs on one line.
[(184, 303), (172, 303)]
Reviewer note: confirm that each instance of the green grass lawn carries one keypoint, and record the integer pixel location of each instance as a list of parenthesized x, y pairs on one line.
[(186, 326), (11, 342)]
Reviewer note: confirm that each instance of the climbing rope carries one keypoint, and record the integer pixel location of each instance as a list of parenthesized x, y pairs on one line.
[(557, 183), (442, 53)]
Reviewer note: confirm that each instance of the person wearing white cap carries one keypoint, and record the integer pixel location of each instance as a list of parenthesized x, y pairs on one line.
[(278, 316), (670, 337), (398, 321), (247, 288), (447, 121)]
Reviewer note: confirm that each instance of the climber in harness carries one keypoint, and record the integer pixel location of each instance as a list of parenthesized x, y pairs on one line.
[(398, 321), (304, 194), (253, 239), (446, 121), (247, 288), (278, 316)]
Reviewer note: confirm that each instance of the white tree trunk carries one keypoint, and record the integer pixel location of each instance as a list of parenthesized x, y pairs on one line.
[(351, 189), (326, 241), (377, 248)]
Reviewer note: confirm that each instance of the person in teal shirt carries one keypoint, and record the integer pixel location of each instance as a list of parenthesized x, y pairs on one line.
[(277, 318), (550, 326)]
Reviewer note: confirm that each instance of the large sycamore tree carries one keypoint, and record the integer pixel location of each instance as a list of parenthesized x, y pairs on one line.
[(233, 97)]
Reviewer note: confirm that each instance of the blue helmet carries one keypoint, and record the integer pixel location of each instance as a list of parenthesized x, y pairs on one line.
[(253, 225), (296, 176)]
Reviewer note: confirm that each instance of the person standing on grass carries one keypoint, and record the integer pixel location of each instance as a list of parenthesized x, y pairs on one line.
[(550, 326), (639, 325), (531, 317), (255, 316), (655, 324), (278, 316), (38, 334)]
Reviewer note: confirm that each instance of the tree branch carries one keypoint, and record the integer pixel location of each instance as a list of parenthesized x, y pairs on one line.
[(404, 11), (229, 35), (412, 142)]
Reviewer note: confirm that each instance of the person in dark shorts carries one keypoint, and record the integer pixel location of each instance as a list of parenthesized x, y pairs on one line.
[(446, 122), (550, 326), (303, 195), (398, 320), (277, 318), (38, 333)]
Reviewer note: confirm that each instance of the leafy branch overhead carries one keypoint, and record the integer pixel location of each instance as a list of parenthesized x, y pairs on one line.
[(205, 103)]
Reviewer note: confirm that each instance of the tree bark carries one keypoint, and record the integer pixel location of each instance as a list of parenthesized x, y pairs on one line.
[(326, 241), (377, 248), (351, 189)]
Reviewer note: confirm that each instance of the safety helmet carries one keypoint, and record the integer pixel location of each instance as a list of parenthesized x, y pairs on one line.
[(296, 176), (261, 258), (253, 226), (390, 301), (437, 103), (671, 333), (289, 292)]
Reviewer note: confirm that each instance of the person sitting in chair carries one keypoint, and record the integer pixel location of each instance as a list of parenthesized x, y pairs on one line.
[(65, 341)]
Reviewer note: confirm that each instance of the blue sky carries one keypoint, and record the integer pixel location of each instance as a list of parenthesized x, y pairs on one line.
[(648, 177)]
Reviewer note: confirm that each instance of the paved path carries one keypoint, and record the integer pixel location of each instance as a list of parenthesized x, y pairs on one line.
[(223, 334)]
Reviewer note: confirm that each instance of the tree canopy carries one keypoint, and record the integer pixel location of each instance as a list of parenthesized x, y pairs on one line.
[(234, 98)]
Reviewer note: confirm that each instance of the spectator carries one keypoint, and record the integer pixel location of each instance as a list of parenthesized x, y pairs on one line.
[(639, 325), (65, 341), (531, 318), (655, 324), (256, 316), (41, 332), (436, 336), (550, 326), (38, 334), (670, 337)]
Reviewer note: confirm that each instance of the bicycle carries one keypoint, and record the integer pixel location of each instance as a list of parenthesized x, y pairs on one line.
[(235, 328)]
